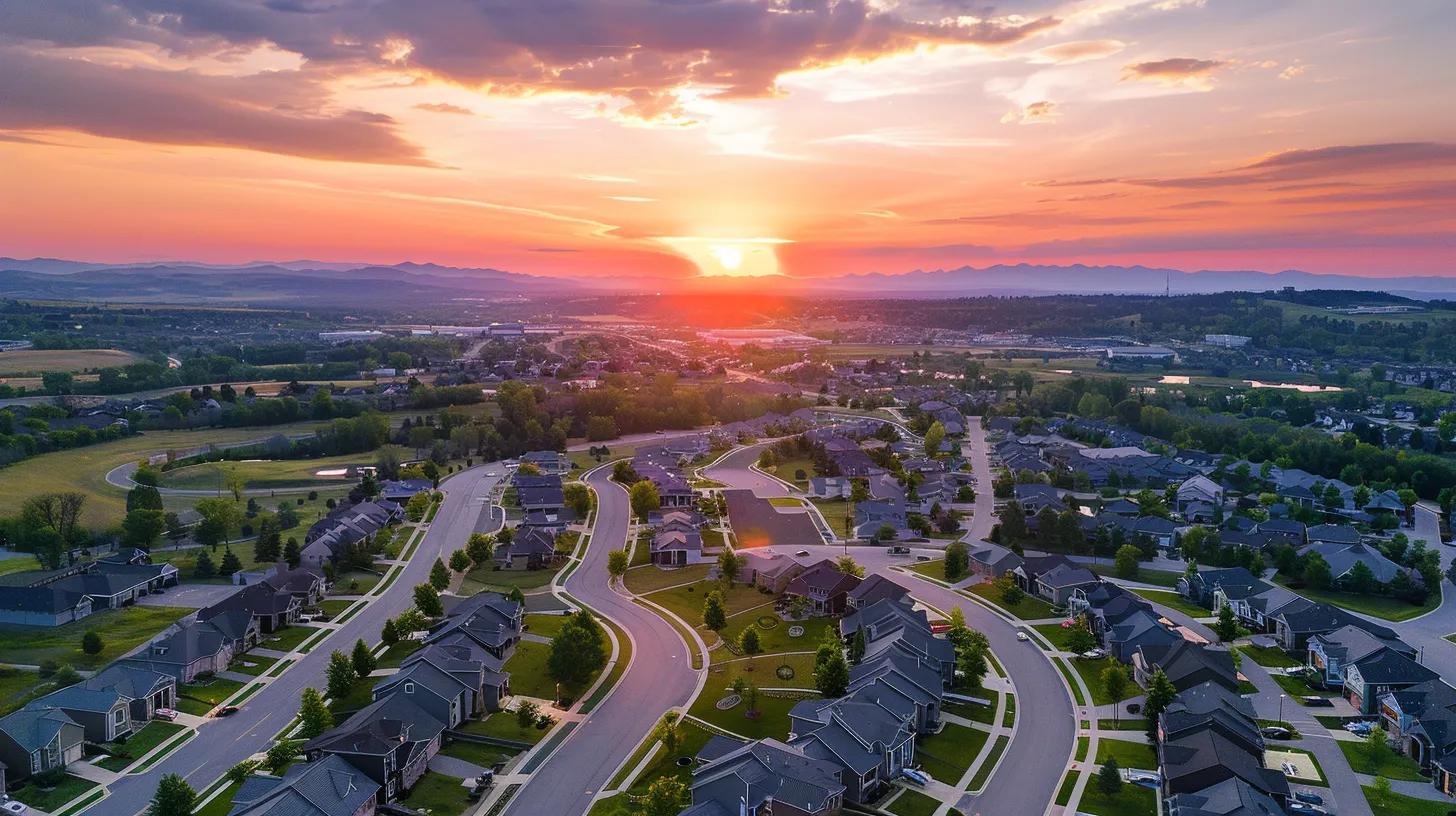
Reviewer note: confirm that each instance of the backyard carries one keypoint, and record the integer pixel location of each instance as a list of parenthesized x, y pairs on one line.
[(121, 630), (438, 795), (762, 671)]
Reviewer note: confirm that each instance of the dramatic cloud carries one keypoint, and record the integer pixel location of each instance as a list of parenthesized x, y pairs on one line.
[(1069, 53), (1181, 71), (444, 107), (638, 50), (1301, 165), (267, 113), (1034, 114)]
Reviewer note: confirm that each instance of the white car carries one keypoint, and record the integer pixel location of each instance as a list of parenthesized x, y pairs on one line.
[(13, 806), (491, 474), (1022, 636)]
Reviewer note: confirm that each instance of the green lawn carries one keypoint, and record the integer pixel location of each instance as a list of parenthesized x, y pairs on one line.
[(785, 501), (528, 672), (288, 638), (1174, 601), (1123, 724), (485, 756), (687, 601), (201, 697), (438, 795), (988, 767), (1028, 608), (1162, 578), (1130, 800), (775, 636), (545, 625), (761, 671), (1128, 754), (1296, 688), (490, 578), (136, 746), (360, 695), (976, 713), (1270, 657), (836, 512), (503, 725), (1388, 763), (788, 470), (19, 563), (263, 474), (355, 582), (222, 803), (1398, 804), (395, 655), (643, 580), (185, 561), (1377, 606), (948, 753), (1056, 633), (121, 631), (69, 788), (691, 739), (913, 803), (18, 687), (1091, 672)]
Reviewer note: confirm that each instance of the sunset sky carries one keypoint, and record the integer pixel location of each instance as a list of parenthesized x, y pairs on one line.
[(682, 137)]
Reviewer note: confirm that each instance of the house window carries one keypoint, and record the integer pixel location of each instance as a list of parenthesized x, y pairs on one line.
[(409, 688), (119, 716)]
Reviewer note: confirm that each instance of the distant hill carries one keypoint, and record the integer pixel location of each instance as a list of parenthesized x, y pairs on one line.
[(307, 283)]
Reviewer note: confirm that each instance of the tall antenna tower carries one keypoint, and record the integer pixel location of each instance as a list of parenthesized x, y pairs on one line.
[(1167, 283)]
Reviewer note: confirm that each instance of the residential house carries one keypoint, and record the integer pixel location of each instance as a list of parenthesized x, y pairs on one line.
[(443, 695), (676, 548), (772, 572), (1207, 757), (1231, 797), (488, 619), (1034, 497), (1199, 490), (870, 517), (824, 586), (1342, 558), (765, 778), (104, 713), (870, 745), (547, 462), (1421, 720), (330, 786), (147, 689), (272, 608), (993, 560), (199, 647), (391, 741), (1186, 664), (1329, 654), (530, 549), (481, 672), (874, 589), (34, 740), (906, 686), (42, 606), (1384, 671)]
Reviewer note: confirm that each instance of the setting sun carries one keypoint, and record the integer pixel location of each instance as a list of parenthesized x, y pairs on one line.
[(729, 257)]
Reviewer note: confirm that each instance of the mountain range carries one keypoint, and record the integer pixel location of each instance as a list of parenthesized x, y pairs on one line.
[(322, 283)]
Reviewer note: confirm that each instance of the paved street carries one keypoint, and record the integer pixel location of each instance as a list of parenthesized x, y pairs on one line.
[(225, 742), (659, 677)]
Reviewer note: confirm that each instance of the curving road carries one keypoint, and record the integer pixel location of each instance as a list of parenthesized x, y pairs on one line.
[(1031, 769), (658, 677), (222, 743)]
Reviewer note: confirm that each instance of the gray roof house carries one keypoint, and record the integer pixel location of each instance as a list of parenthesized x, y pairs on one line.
[(868, 743), (1343, 557), (391, 741), (442, 694), (993, 560), (36, 740), (199, 647), (763, 775), (1231, 797), (330, 786), (42, 606)]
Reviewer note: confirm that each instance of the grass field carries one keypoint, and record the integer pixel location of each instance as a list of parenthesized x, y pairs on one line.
[(71, 786), (1162, 578), (773, 719), (1128, 754), (1130, 800), (528, 670), (503, 725), (1028, 608), (836, 513), (1388, 764), (263, 475), (775, 636), (490, 578), (948, 753), (1174, 601), (137, 745), (287, 638), (1376, 606), (1091, 672), (913, 803), (691, 739), (121, 630), (201, 697), (687, 601), (1269, 656), (1398, 804), (40, 361), (185, 561), (438, 795)]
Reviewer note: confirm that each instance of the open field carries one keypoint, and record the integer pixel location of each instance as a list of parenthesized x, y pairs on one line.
[(761, 671), (262, 474), (40, 361), (1376, 606), (120, 629)]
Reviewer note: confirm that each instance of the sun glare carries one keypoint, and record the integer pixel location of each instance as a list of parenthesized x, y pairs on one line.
[(729, 257)]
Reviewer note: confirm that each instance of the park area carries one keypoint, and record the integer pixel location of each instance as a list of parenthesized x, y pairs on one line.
[(260, 474), (121, 630)]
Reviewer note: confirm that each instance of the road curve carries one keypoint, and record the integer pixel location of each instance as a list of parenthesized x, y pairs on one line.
[(658, 677), (222, 743)]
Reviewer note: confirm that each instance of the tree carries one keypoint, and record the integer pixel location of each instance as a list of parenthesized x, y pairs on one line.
[(91, 643), (1009, 591), (174, 797), (617, 563), (439, 575), (644, 499), (1361, 579), (292, 554), (1377, 745), (934, 436), (1125, 563), (1109, 778), (142, 527), (1160, 695), (340, 675), (280, 756), (576, 653), (1227, 627), (313, 714), (1114, 682), (459, 561), (526, 714), (204, 568), (1081, 639), (728, 566), (363, 659), (957, 560), (715, 617), (578, 497), (1381, 796), (831, 676), (857, 645), (239, 773), (427, 600), (389, 635), (480, 548), (666, 796), (58, 512), (847, 565), (749, 641), (230, 563), (1316, 572), (667, 733), (220, 520)]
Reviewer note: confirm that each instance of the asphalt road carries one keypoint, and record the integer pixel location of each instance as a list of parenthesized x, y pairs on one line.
[(1031, 769), (222, 743), (658, 677)]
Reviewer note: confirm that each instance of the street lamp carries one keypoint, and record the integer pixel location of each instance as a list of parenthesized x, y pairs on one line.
[(1281, 709)]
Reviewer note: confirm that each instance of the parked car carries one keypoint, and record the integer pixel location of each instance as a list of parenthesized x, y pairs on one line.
[(801, 554), (1276, 732), (1147, 780), (226, 711), (898, 550), (1022, 636), (915, 776), (1316, 701), (167, 714), (1306, 809), (1309, 797), (12, 805), (1094, 654), (1360, 727)]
